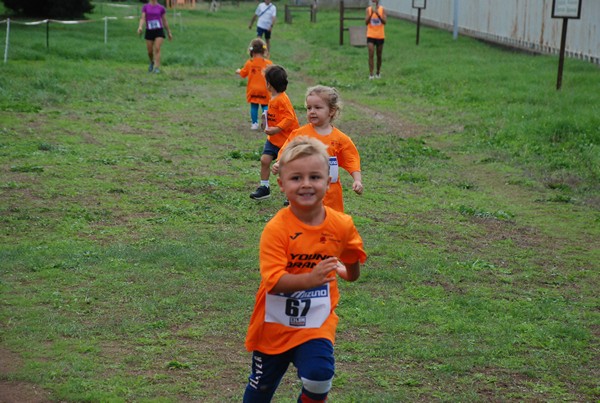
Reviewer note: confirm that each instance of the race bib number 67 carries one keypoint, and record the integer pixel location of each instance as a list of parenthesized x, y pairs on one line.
[(305, 309)]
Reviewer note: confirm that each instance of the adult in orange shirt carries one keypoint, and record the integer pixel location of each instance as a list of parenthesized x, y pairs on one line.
[(256, 88), (375, 20), (280, 121), (302, 251), (323, 104)]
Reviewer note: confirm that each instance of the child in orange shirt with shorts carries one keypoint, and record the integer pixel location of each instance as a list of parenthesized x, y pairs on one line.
[(280, 121), (303, 249), (256, 89), (323, 105)]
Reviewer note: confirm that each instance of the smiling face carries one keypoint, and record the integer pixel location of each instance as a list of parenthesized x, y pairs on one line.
[(318, 112), (305, 181)]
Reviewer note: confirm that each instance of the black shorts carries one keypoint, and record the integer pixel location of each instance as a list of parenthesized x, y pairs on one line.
[(152, 34), (375, 41), (260, 31)]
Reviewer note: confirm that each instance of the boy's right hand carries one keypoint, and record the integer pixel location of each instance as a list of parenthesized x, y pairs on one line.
[(320, 275), (275, 168)]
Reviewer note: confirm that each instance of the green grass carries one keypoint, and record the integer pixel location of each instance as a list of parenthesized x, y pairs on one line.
[(128, 242)]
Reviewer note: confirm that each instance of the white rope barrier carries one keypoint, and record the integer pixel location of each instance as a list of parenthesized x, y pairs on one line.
[(7, 36), (71, 22)]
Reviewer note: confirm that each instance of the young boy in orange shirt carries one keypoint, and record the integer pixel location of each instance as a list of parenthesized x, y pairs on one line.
[(281, 121), (302, 251)]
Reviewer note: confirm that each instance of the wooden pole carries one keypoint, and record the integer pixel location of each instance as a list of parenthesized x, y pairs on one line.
[(561, 58), (341, 22), (418, 24)]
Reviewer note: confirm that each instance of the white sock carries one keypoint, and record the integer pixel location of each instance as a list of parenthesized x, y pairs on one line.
[(264, 183)]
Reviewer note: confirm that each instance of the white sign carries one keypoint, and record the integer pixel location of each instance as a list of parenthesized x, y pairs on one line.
[(566, 9), (419, 3)]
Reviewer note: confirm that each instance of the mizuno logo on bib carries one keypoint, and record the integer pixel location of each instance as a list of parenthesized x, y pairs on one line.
[(333, 169), (307, 309)]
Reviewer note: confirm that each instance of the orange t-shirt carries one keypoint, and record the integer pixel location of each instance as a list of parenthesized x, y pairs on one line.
[(256, 89), (281, 113), (376, 28), (288, 246), (341, 147)]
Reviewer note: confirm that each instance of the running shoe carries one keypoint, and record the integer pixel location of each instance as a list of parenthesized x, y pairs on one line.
[(261, 193)]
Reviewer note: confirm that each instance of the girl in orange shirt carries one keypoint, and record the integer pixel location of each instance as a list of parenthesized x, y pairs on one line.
[(256, 89), (323, 105), (375, 20)]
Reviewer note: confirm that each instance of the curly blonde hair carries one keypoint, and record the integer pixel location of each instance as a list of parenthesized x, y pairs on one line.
[(330, 95)]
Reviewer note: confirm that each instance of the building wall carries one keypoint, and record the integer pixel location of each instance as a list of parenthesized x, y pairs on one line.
[(525, 24)]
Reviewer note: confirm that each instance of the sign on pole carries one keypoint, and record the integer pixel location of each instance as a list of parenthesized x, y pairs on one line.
[(419, 5), (565, 9)]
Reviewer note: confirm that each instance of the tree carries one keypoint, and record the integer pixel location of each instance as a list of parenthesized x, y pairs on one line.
[(50, 8)]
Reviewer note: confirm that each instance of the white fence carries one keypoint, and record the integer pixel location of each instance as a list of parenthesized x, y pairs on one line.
[(525, 24)]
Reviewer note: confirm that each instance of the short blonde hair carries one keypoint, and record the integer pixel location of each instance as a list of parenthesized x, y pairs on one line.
[(330, 95), (303, 146)]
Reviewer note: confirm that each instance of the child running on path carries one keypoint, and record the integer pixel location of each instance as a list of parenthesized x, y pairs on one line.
[(323, 104), (281, 121), (302, 249), (256, 89)]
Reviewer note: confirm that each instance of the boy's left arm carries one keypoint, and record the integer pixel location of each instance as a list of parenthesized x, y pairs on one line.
[(349, 272)]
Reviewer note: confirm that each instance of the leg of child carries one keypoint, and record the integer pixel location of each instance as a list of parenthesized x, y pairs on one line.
[(316, 366), (265, 167), (267, 371), (254, 112)]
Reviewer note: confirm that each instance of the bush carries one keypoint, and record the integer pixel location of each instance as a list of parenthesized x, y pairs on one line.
[(50, 8)]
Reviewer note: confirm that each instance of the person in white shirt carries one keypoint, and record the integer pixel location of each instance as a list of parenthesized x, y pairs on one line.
[(266, 13)]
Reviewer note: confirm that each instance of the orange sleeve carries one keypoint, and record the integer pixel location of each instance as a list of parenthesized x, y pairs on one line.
[(273, 256), (348, 157), (284, 115), (289, 120), (354, 250), (244, 71), (281, 114)]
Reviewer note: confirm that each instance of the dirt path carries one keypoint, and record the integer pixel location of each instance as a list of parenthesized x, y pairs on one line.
[(13, 391)]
